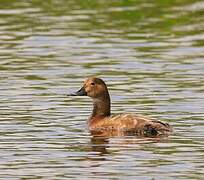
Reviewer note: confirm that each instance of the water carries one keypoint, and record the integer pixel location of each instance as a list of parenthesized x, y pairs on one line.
[(150, 53)]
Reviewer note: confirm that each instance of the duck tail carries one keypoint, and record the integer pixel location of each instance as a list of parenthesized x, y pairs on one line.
[(157, 128)]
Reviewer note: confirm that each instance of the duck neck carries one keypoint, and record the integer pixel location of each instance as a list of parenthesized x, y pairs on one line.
[(101, 107)]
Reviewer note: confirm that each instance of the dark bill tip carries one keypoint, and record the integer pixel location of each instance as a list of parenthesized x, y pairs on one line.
[(80, 92), (72, 94)]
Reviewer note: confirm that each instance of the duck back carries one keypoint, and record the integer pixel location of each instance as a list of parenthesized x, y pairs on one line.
[(130, 123)]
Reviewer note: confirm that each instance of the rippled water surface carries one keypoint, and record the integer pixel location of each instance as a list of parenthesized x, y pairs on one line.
[(150, 53)]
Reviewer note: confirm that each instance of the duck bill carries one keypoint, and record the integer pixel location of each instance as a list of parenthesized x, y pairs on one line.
[(80, 92)]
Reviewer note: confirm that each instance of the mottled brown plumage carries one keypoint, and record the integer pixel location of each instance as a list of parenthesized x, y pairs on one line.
[(101, 122)]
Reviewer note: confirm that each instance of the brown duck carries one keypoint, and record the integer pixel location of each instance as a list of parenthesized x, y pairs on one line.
[(102, 122)]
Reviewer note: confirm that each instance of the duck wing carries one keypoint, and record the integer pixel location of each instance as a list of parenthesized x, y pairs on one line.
[(132, 123)]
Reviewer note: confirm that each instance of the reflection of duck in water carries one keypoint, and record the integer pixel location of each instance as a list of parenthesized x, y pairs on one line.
[(102, 123)]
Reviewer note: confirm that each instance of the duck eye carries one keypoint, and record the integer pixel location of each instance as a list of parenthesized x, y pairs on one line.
[(92, 84)]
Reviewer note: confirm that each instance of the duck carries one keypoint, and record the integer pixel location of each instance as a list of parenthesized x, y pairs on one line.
[(101, 121)]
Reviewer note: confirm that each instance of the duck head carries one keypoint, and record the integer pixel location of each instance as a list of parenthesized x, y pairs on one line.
[(94, 88)]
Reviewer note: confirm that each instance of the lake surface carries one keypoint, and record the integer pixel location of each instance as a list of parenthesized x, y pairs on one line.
[(150, 53)]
